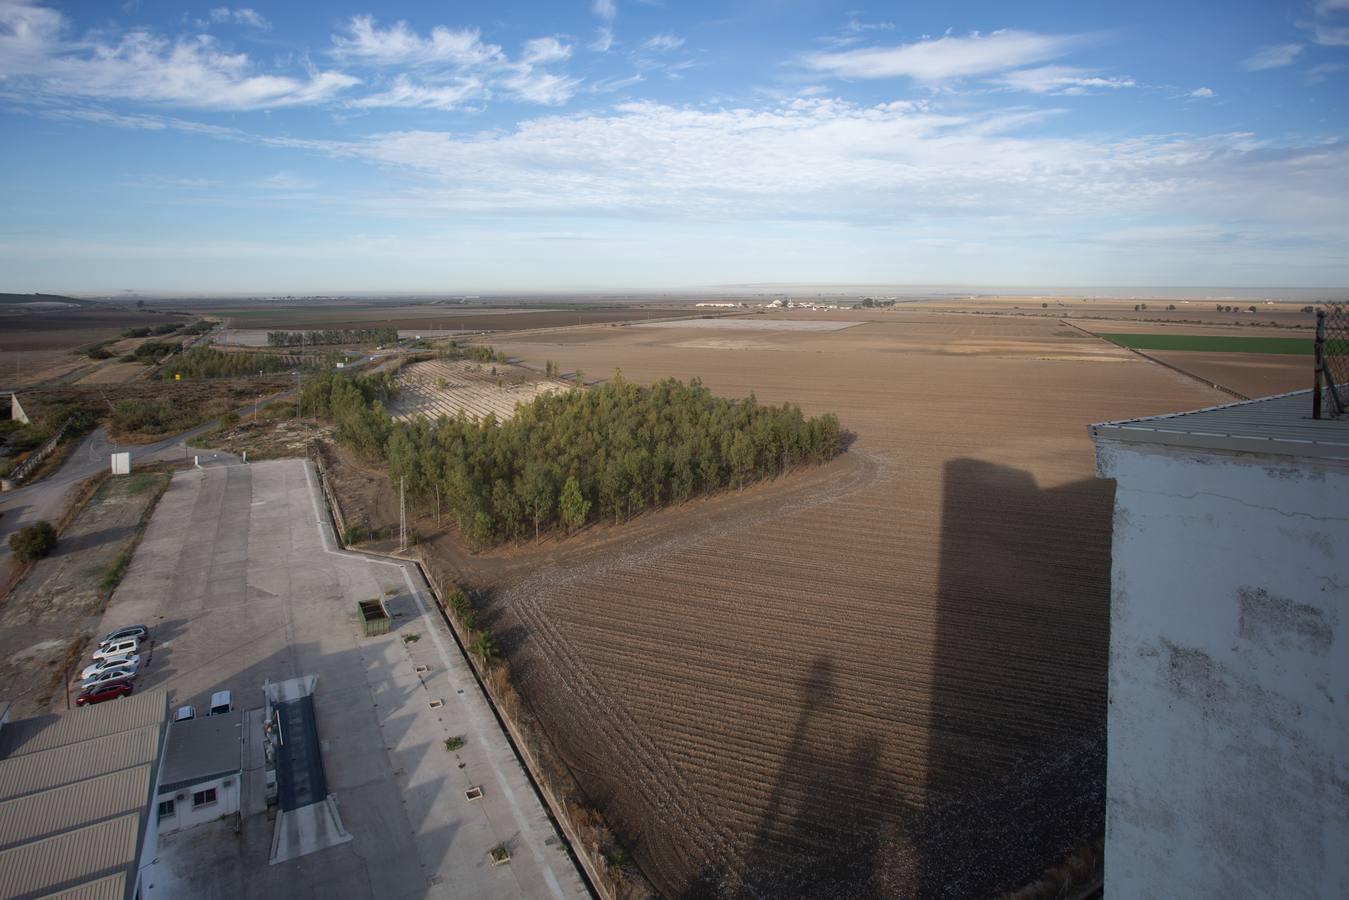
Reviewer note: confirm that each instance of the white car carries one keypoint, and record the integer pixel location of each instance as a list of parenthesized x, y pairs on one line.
[(116, 673), (134, 661), (124, 647)]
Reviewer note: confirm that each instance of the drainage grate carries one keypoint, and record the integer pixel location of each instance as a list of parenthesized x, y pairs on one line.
[(437, 704), (473, 793), (500, 855), (422, 670)]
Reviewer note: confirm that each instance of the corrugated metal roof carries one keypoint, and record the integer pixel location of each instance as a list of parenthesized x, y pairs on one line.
[(1280, 425), (38, 815), (111, 888), (95, 850), (88, 759), (44, 732)]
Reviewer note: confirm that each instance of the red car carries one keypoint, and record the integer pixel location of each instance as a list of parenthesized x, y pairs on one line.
[(106, 691)]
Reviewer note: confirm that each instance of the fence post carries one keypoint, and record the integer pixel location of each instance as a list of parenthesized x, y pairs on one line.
[(1319, 362)]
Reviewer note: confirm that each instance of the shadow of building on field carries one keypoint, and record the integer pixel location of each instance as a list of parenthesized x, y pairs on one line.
[(1016, 758), (809, 842)]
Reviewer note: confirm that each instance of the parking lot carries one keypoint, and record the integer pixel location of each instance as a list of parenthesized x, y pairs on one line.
[(240, 581)]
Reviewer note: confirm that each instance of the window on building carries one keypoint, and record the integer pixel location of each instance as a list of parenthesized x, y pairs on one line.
[(203, 798), (165, 808)]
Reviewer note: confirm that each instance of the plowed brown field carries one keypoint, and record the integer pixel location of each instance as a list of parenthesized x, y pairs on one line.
[(882, 678), (1252, 374)]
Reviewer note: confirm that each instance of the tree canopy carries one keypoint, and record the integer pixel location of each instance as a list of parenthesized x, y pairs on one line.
[(571, 457)]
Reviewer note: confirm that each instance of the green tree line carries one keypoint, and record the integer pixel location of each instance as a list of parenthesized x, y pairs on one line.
[(569, 458), (332, 336), (205, 362)]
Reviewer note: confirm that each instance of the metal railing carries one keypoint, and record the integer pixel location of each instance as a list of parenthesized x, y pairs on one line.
[(1332, 361)]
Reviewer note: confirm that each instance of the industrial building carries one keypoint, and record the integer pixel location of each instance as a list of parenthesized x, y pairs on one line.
[(1228, 721), (75, 797)]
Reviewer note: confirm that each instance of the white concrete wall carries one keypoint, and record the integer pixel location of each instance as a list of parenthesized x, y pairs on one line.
[(1228, 734), (227, 802)]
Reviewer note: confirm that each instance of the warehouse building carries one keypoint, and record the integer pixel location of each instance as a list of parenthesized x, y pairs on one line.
[(75, 795)]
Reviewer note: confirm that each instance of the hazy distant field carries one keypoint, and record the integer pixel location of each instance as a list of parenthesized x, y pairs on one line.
[(449, 318)]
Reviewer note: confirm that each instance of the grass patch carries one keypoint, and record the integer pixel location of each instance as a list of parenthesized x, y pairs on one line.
[(113, 577), (142, 482), (412, 638), (1212, 343), (454, 743)]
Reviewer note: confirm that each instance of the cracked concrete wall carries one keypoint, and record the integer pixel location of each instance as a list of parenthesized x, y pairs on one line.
[(1228, 727)]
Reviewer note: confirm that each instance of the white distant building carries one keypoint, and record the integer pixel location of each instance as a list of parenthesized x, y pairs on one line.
[(1228, 724)]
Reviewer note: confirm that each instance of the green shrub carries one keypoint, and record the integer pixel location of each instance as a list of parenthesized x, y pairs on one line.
[(355, 534), (33, 542)]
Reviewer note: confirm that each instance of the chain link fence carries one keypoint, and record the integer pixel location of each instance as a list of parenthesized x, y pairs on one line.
[(1332, 358)]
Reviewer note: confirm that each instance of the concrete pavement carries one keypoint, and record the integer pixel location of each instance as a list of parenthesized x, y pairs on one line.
[(241, 582)]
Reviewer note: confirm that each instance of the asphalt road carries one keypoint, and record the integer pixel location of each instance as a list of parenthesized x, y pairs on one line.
[(47, 498)]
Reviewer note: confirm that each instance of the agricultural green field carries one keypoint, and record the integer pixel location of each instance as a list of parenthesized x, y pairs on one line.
[(1209, 343)]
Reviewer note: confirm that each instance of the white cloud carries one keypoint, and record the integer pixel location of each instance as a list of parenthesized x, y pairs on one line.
[(947, 57), (663, 42), (1328, 36), (867, 165), (542, 51), (407, 94), (140, 66), (604, 39), (605, 9), (454, 66), (1202, 93), (1328, 7), (1320, 72), (1059, 80), (609, 85), (545, 88), (1272, 57), (398, 44), (223, 15)]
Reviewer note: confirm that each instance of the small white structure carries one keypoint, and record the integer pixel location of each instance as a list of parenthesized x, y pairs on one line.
[(121, 463), (200, 777), (1228, 725)]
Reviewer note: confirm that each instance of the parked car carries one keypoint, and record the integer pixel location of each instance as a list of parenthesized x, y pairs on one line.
[(184, 714), (116, 673), (124, 647), (130, 631), (134, 661), (220, 703), (108, 691)]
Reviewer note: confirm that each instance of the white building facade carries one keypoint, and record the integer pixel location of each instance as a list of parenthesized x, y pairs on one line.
[(1228, 724)]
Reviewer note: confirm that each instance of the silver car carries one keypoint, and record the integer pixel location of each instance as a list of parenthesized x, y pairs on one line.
[(116, 673), (132, 660)]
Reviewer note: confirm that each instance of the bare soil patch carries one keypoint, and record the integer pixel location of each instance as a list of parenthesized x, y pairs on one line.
[(51, 615), (1252, 374)]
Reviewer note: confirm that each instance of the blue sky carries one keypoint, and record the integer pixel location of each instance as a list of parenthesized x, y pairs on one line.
[(616, 144)]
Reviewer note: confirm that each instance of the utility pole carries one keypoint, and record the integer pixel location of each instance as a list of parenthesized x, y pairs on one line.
[(402, 515)]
